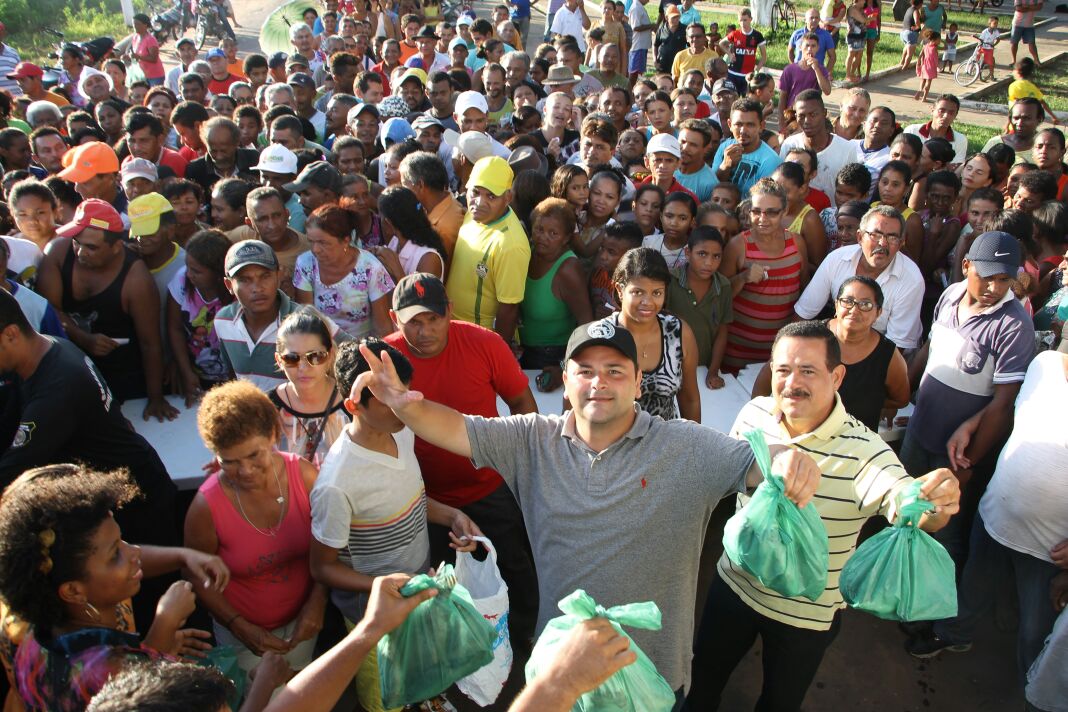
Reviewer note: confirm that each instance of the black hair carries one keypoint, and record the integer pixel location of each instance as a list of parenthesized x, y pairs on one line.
[(93, 132), (868, 282), (350, 363), (813, 330), (946, 178), (808, 152), (1051, 222), (246, 111), (899, 167), (137, 120), (189, 113), (1055, 132), (628, 231), (48, 517), (793, 172), (1040, 182), (163, 687), (940, 149), (254, 61), (400, 206), (989, 194), (64, 190), (234, 191), (609, 173), (304, 321), (10, 311), (641, 262), (855, 175), (914, 142), (1013, 221), (679, 197), (180, 186), (1001, 153), (705, 233), (31, 186), (209, 248)]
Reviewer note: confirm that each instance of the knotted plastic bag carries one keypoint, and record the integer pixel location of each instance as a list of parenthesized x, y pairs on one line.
[(637, 687), (771, 538), (441, 641), (902, 573)]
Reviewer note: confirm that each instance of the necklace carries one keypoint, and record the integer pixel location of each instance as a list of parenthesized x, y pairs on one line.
[(271, 531)]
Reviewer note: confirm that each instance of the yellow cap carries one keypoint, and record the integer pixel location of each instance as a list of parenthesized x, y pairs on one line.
[(492, 173), (144, 212)]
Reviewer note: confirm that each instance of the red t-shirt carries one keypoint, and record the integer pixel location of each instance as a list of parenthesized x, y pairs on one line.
[(173, 160), (745, 50), (817, 199), (676, 187), (468, 375), (222, 86)]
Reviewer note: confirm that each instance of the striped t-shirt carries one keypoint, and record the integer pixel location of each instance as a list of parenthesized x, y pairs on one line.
[(861, 477), (372, 508)]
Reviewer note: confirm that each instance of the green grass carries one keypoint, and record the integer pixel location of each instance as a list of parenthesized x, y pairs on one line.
[(977, 135), (78, 20), (1052, 79)]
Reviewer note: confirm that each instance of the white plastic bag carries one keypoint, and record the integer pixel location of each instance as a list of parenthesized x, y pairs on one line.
[(489, 593)]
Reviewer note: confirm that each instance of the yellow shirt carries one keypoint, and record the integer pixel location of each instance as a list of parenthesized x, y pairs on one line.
[(489, 268), (615, 34), (685, 61), (1023, 89)]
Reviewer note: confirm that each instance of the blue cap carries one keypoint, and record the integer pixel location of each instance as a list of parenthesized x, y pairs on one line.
[(213, 53), (995, 253), (396, 130)]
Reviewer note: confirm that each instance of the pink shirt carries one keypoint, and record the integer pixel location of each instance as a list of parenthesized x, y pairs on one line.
[(269, 575), (140, 45)]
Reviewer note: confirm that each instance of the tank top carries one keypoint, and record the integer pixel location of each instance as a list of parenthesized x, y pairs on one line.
[(310, 435), (662, 384), (762, 308), (795, 226), (863, 389), (102, 313), (269, 575), (547, 320)]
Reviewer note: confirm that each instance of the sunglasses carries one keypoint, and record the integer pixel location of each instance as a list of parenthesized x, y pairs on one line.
[(314, 358)]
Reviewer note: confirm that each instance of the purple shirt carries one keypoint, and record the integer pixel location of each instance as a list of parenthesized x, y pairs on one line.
[(795, 80)]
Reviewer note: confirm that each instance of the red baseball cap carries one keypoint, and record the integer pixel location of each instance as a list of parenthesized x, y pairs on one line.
[(92, 213), (26, 69)]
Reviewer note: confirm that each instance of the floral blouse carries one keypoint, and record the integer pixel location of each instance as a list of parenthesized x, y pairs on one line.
[(198, 322), (348, 301)]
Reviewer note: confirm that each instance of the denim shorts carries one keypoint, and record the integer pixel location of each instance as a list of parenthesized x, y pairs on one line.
[(1027, 34), (638, 59), (909, 37)]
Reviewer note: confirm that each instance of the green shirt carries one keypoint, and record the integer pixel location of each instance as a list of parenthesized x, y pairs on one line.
[(704, 316)]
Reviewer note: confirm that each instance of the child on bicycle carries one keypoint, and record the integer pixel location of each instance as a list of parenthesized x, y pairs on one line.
[(949, 53), (987, 39)]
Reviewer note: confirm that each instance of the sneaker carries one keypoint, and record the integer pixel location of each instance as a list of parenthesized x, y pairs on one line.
[(929, 646)]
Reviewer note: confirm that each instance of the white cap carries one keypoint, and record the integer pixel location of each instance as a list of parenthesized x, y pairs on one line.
[(139, 168), (664, 143), (472, 144), (276, 158), (465, 19), (470, 100)]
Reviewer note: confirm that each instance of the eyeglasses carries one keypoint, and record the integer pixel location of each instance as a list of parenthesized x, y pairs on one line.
[(865, 305), (314, 358), (882, 236), (770, 212)]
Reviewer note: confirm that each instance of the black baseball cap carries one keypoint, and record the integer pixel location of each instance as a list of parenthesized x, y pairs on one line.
[(417, 293), (602, 333), (301, 79), (320, 174), (278, 59), (995, 253), (249, 252)]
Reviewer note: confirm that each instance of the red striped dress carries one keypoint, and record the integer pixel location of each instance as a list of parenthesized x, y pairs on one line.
[(762, 308)]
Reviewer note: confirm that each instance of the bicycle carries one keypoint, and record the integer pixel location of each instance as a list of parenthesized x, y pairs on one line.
[(970, 69), (784, 12)]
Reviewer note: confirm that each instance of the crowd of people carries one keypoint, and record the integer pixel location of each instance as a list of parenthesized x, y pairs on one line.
[(343, 256)]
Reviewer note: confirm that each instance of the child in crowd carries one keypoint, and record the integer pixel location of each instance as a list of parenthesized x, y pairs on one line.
[(847, 223), (1023, 86), (987, 39), (727, 196), (186, 199), (631, 147), (606, 189), (702, 297), (806, 158), (712, 215), (800, 218), (658, 114), (619, 237), (852, 183), (949, 52), (677, 220), (648, 202), (891, 189), (937, 154), (941, 229), (571, 183), (1003, 158), (927, 65)]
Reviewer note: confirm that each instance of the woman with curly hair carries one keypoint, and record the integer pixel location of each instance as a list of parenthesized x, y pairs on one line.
[(68, 576), (253, 512)]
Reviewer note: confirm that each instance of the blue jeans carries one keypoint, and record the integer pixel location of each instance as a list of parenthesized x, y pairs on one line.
[(988, 563), (548, 23)]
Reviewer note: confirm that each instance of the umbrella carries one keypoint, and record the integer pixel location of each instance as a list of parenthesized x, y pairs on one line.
[(274, 34)]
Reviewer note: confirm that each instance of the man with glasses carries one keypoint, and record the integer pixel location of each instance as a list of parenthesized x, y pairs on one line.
[(877, 255), (696, 54)]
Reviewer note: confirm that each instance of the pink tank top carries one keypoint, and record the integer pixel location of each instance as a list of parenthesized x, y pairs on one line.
[(269, 575)]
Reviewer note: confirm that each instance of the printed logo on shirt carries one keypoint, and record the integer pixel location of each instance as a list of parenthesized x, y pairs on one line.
[(482, 270), (23, 434), (105, 392)]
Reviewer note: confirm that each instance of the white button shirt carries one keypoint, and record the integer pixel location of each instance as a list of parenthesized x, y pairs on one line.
[(901, 282)]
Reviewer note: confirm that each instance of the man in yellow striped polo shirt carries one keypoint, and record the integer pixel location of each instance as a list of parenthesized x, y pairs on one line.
[(861, 477)]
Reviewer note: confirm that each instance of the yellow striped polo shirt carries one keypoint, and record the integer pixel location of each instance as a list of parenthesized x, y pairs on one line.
[(861, 477)]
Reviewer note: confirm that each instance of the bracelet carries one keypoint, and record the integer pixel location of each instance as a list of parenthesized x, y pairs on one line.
[(233, 618)]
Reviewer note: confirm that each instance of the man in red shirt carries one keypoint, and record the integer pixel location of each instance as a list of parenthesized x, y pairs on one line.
[(145, 139), (466, 367), (221, 79)]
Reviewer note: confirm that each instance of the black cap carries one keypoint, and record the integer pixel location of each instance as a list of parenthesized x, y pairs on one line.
[(417, 293), (602, 333), (995, 253), (301, 79), (278, 59), (249, 252), (320, 174), (426, 32)]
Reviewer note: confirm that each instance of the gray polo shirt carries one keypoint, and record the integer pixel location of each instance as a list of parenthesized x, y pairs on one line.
[(626, 524)]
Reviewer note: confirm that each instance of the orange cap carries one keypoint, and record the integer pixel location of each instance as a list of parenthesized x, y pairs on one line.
[(88, 161)]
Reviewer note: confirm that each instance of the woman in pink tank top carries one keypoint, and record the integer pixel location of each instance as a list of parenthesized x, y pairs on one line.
[(766, 266), (254, 514)]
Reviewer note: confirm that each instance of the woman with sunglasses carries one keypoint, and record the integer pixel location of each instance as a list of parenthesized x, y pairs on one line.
[(253, 512), (310, 408), (876, 376)]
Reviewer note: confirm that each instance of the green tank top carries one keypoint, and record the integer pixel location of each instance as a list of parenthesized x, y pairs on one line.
[(546, 320)]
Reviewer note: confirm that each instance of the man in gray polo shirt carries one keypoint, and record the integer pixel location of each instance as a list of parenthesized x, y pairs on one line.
[(616, 501)]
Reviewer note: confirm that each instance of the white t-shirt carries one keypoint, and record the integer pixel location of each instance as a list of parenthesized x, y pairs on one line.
[(829, 161), (674, 258), (373, 508), (23, 258), (637, 16), (873, 160), (412, 254), (568, 22), (988, 37), (1025, 503)]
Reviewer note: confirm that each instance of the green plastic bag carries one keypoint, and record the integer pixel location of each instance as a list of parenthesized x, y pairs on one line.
[(902, 573), (441, 641), (636, 688), (771, 538), (224, 659)]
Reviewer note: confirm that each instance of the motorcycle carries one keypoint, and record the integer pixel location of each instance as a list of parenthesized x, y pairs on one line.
[(211, 20), (170, 23)]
